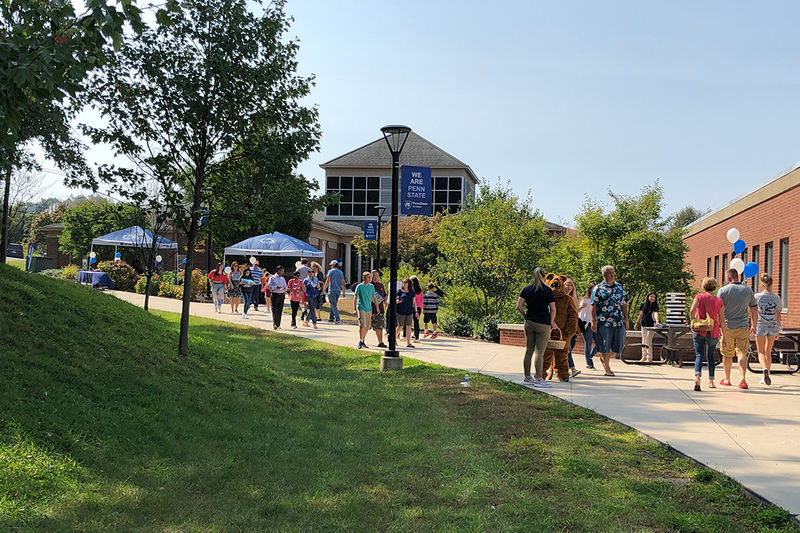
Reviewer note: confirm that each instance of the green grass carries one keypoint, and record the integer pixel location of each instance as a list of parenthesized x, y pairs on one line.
[(104, 428), (16, 263)]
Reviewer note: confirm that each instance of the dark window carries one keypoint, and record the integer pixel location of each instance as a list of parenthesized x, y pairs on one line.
[(346, 182), (333, 183), (359, 182), (359, 197), (716, 269), (373, 197), (768, 258), (784, 273), (374, 183), (440, 183), (333, 210), (440, 197), (744, 256), (455, 197), (708, 267), (455, 184), (359, 210), (346, 210), (347, 196), (755, 259), (453, 209), (724, 264), (371, 210)]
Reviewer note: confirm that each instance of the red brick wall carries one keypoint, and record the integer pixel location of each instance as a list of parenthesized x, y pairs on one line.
[(769, 221)]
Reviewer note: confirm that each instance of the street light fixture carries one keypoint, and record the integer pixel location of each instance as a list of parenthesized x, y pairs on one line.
[(395, 137), (381, 209)]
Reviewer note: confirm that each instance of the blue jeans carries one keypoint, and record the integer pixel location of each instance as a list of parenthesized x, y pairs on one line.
[(333, 298), (311, 305), (589, 351), (704, 347), (569, 354), (247, 294)]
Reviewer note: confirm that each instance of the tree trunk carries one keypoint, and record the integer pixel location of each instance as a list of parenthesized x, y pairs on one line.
[(4, 238), (149, 276)]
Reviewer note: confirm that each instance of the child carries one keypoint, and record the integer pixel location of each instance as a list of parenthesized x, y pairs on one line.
[(430, 306), (405, 311)]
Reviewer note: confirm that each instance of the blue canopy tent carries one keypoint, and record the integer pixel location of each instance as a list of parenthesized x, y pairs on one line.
[(273, 244), (135, 237)]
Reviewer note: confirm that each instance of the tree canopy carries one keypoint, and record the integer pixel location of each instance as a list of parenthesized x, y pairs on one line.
[(91, 219)]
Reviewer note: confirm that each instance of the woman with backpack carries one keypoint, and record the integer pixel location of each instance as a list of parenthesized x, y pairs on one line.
[(708, 323)]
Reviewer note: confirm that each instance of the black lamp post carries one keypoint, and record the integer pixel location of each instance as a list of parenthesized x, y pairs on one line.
[(381, 210), (395, 137)]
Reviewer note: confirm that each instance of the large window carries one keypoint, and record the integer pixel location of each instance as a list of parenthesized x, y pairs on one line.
[(716, 269), (755, 260), (724, 265), (708, 267), (447, 194), (784, 273), (359, 195), (768, 258)]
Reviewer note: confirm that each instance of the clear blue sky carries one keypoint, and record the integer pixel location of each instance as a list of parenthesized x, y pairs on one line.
[(566, 98)]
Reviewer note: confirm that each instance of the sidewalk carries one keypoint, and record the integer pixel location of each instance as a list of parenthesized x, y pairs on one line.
[(752, 435)]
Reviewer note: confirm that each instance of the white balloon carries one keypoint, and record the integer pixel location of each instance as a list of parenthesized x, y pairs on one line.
[(158, 259), (92, 254), (733, 235), (227, 270), (252, 260), (737, 264)]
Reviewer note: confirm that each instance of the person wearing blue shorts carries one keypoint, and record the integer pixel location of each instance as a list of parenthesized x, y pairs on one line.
[(609, 317), (768, 326)]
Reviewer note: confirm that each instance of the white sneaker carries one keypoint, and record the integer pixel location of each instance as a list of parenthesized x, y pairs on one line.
[(542, 383), (574, 372), (529, 381), (762, 382)]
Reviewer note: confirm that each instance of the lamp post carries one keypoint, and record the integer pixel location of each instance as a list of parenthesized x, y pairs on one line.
[(395, 137), (381, 210)]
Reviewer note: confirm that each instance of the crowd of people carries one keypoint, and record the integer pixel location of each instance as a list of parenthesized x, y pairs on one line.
[(731, 318)]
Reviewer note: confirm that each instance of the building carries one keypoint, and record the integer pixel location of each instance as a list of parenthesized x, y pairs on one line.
[(363, 178), (768, 220), (335, 238)]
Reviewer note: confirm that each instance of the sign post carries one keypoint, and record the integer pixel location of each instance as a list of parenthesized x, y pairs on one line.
[(416, 191)]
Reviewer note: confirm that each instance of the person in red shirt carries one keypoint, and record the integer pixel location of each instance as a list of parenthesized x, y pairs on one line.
[(219, 281), (297, 295)]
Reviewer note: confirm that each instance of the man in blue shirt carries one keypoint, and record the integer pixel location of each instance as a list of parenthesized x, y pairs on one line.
[(257, 294), (334, 285), (609, 317)]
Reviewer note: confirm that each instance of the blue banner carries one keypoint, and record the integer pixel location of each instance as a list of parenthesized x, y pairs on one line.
[(416, 191), (29, 257), (370, 230)]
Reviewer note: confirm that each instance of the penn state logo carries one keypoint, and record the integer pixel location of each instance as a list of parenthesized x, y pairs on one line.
[(269, 241), (407, 204)]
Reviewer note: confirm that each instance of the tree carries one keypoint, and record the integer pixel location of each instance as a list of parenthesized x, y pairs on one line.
[(47, 50), (634, 238), (417, 241), (45, 218), (214, 86), (92, 219), (686, 216), (24, 187), (490, 249)]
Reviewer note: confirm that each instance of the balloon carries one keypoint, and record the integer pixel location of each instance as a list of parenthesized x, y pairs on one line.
[(184, 259), (739, 246), (733, 235), (227, 270), (751, 270), (117, 254), (738, 264), (93, 260), (92, 254), (252, 260), (158, 259)]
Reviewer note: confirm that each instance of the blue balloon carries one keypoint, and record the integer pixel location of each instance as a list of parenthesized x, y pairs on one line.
[(184, 259), (751, 270), (93, 260), (739, 246)]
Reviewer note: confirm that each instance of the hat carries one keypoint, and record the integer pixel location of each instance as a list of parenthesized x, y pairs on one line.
[(297, 265), (334, 262)]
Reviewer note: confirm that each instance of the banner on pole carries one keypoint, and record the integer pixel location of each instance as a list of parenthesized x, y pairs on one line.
[(416, 194), (370, 230)]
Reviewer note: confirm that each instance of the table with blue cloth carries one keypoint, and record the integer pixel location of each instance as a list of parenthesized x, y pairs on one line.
[(96, 278)]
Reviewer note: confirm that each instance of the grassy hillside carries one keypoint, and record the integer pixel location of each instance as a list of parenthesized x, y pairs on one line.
[(104, 428)]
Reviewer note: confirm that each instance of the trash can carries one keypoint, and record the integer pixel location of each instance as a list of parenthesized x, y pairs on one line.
[(41, 263)]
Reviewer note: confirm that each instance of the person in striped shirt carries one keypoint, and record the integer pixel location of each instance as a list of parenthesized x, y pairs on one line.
[(257, 275), (430, 306)]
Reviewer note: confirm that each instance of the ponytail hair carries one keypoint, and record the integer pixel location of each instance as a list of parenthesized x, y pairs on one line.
[(538, 277), (766, 280)]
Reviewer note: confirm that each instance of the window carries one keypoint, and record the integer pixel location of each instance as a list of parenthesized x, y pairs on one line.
[(724, 264), (768, 258), (716, 269), (358, 195), (783, 261), (744, 256), (755, 260), (447, 194), (708, 267)]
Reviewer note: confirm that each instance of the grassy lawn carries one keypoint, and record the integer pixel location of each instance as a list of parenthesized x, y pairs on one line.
[(16, 263), (103, 428)]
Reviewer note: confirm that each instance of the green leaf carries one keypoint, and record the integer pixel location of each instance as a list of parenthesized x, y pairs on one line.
[(117, 37), (163, 18)]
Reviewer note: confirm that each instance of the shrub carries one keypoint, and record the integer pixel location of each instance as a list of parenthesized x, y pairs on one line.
[(198, 284), (167, 289), (53, 273), (169, 275), (121, 273), (155, 283), (459, 325), (490, 329), (70, 272)]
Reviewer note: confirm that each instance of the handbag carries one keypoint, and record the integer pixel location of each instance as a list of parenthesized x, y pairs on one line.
[(557, 344), (703, 325)]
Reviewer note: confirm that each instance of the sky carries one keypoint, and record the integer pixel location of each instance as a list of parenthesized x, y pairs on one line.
[(566, 99)]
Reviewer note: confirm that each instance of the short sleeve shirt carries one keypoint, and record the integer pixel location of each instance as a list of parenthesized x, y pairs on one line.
[(608, 301), (406, 304), (335, 276), (648, 320), (738, 300), (537, 302), (296, 290), (769, 305), (364, 294)]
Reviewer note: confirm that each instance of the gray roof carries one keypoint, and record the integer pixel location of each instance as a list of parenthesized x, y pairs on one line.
[(339, 228), (417, 151)]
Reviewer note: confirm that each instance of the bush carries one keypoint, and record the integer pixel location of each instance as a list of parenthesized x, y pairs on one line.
[(169, 275), (167, 289), (155, 284), (198, 284), (459, 325), (70, 272), (121, 273), (53, 273), (490, 329)]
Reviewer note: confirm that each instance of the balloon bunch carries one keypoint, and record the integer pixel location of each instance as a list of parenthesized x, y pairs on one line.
[(117, 256), (92, 258), (750, 270)]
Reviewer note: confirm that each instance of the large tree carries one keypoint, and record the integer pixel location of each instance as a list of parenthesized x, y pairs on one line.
[(417, 241), (91, 219), (215, 85)]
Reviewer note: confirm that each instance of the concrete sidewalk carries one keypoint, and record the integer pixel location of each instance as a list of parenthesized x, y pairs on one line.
[(751, 435)]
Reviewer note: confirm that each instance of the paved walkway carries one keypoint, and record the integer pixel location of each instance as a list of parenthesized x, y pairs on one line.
[(753, 435)]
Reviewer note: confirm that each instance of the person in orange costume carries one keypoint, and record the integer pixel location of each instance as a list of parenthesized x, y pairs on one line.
[(567, 321)]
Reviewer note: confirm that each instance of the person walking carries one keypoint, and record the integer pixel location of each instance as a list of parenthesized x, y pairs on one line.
[(363, 298), (585, 326), (430, 307), (265, 291), (258, 275), (741, 317), (569, 287), (648, 318), (406, 311), (297, 294), (609, 317), (378, 320), (313, 291), (537, 304), (277, 286), (248, 289), (234, 288), (317, 268), (302, 268), (705, 338), (334, 286), (768, 328), (219, 280), (416, 289)]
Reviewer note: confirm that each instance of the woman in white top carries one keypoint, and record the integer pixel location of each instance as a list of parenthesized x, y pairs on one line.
[(569, 286), (769, 324), (585, 325)]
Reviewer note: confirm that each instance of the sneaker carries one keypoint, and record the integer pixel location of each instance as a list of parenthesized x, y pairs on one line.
[(574, 372), (434, 335), (767, 380), (529, 381), (725, 382), (542, 383), (244, 315), (294, 327), (762, 382), (381, 345), (590, 367), (743, 385), (361, 345), (337, 322)]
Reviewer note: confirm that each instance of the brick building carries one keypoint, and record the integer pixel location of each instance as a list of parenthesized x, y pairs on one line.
[(769, 222)]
